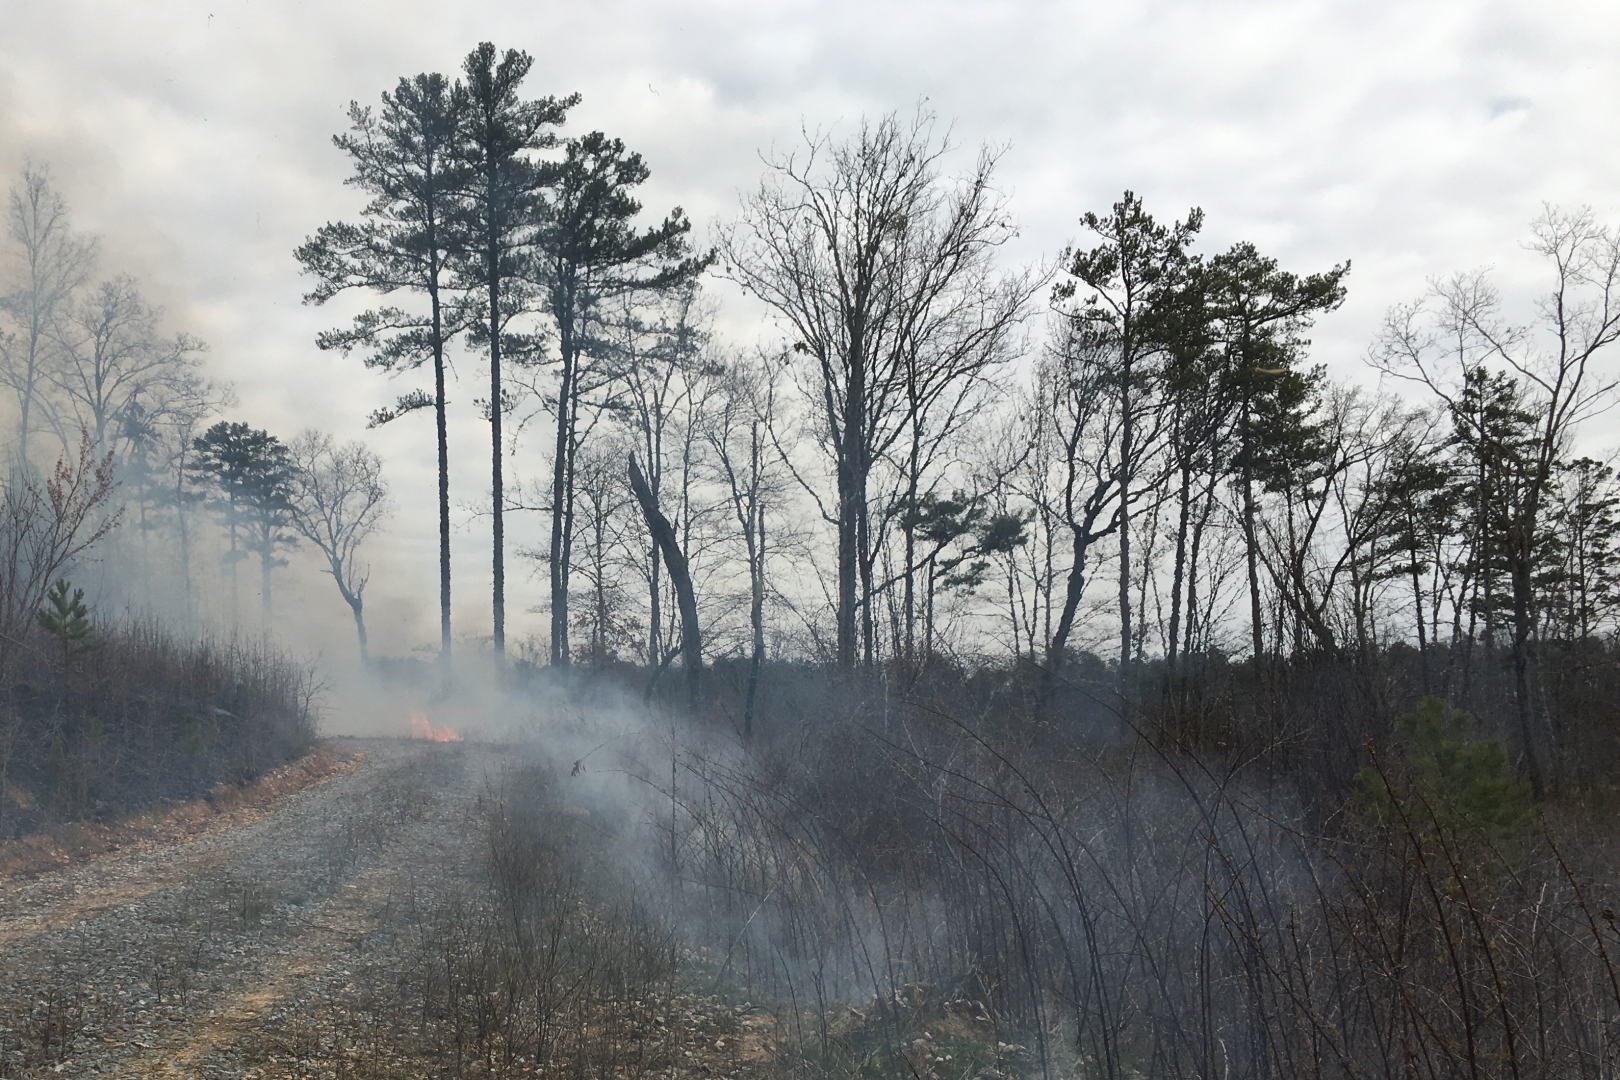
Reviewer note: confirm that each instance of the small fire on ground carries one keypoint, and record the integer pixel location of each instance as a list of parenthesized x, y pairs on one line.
[(421, 729)]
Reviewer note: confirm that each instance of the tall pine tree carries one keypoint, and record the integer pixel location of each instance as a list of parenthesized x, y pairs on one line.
[(406, 158), (1262, 313), (500, 132)]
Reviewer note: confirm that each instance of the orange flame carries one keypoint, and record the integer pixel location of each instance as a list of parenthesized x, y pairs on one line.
[(421, 729)]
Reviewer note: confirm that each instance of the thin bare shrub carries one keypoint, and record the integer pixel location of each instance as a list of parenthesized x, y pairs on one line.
[(551, 957), (1121, 908)]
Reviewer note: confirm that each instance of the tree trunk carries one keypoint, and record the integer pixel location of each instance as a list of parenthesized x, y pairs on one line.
[(868, 616), (1417, 609), (908, 524), (1519, 545), (497, 494), (1179, 574), (236, 591), (356, 605), (756, 610), (851, 502), (267, 559), (559, 489), (848, 562), (655, 609), (1256, 616), (441, 432), (908, 612), (1126, 449), (1071, 604), (183, 529), (1191, 632), (570, 471), (679, 575), (928, 616)]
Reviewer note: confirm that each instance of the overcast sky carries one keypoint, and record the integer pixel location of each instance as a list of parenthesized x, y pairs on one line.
[(1414, 139)]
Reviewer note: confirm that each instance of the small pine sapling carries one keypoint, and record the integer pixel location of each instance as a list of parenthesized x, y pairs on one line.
[(1448, 786), (66, 618)]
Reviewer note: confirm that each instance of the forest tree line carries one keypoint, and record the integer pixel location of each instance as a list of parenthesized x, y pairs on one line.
[(1128, 454), (939, 452)]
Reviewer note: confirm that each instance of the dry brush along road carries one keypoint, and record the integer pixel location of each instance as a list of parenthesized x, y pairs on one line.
[(280, 946)]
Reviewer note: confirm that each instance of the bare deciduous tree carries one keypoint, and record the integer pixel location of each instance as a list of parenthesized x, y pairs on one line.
[(52, 263), (114, 361), (879, 270), (338, 500)]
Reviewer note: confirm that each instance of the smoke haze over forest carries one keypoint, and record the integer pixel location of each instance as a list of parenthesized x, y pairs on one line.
[(194, 140), (800, 541)]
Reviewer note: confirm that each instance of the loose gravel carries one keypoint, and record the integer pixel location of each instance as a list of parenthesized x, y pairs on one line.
[(201, 958)]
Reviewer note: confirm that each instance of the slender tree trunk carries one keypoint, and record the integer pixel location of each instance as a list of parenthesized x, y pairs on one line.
[(1520, 553), (686, 487), (1487, 575), (756, 606), (1178, 575), (497, 493), (559, 489), (236, 602), (1127, 448), (1071, 604), (655, 641), (851, 502), (267, 561), (1191, 638), (909, 614), (27, 404), (1251, 546), (679, 575), (598, 555), (570, 474), (908, 605), (1417, 610), (441, 432), (868, 616), (183, 529), (928, 617), (1048, 576), (1012, 613), (36, 336)]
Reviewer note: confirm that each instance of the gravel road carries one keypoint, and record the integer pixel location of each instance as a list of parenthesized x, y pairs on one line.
[(204, 958)]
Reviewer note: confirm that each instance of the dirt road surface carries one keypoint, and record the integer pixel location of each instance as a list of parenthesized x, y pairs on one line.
[(204, 957)]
